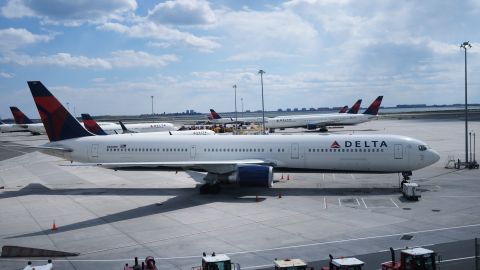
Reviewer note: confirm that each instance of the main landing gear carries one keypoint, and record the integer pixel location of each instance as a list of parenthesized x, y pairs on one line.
[(210, 188)]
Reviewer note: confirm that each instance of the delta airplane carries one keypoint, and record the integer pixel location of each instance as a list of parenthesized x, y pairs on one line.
[(243, 160), (314, 121), (217, 119), (5, 128), (95, 128), (24, 122), (112, 128)]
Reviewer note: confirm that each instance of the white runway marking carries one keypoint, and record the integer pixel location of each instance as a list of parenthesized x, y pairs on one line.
[(364, 203), (394, 203)]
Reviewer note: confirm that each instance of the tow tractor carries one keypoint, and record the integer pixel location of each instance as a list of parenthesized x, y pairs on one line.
[(291, 264), (412, 259), (410, 191), (344, 264), (216, 262), (149, 264)]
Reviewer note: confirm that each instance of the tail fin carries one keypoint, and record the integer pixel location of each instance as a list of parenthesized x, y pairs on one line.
[(375, 106), (355, 107), (214, 114), (344, 109), (58, 122), (125, 129), (20, 117), (91, 125)]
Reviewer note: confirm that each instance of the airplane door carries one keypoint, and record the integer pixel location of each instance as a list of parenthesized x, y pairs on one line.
[(94, 151), (398, 151), (295, 151), (193, 151)]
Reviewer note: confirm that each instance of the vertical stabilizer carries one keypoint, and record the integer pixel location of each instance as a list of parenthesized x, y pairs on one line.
[(374, 107), (92, 125), (356, 107), (343, 109), (58, 122), (20, 117)]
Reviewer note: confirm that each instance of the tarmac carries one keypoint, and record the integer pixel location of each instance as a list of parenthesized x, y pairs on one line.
[(109, 217)]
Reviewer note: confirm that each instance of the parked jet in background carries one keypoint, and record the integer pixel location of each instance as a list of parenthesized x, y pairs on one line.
[(344, 109), (355, 108), (24, 122), (5, 128), (112, 128), (314, 121), (244, 160), (217, 119)]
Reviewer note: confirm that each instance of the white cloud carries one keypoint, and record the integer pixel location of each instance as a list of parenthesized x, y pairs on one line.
[(129, 58), (183, 12), (13, 38), (69, 12), (6, 75), (151, 30), (258, 55), (119, 59)]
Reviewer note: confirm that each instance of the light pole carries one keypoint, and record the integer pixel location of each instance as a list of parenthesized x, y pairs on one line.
[(261, 72), (242, 105), (236, 116), (465, 45), (152, 104)]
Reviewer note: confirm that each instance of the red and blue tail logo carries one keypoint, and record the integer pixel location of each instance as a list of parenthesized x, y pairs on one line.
[(20, 117), (58, 122), (215, 114), (91, 125), (356, 107), (374, 107), (335, 145), (344, 109)]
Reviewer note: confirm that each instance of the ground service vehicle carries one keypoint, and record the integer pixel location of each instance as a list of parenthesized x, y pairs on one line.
[(344, 264), (291, 264), (217, 262), (411, 192), (412, 259)]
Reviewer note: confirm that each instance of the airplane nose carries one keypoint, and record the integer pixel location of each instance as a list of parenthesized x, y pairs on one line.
[(434, 156)]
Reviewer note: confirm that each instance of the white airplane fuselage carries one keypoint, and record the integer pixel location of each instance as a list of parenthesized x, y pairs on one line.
[(343, 153), (317, 119), (113, 128), (5, 128)]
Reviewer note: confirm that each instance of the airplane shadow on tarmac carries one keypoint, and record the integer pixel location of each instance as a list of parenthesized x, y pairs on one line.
[(183, 198)]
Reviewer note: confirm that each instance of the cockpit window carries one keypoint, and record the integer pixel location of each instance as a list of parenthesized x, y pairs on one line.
[(422, 147)]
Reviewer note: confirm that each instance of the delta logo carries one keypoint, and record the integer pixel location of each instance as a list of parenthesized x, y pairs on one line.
[(335, 145), (365, 144)]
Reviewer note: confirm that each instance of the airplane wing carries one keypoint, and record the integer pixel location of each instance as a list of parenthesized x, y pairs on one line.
[(51, 148), (218, 167)]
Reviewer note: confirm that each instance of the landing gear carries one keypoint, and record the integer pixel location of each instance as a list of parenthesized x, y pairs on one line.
[(210, 188)]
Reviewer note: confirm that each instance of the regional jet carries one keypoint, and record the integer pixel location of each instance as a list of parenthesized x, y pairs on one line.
[(243, 160)]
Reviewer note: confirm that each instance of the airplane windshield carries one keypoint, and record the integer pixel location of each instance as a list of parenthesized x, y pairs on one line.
[(422, 147)]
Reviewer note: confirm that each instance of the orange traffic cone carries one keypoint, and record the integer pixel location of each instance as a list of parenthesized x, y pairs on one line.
[(54, 226), (279, 195), (282, 177), (288, 176)]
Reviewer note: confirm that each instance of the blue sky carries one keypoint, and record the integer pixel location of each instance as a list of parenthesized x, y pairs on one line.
[(109, 57)]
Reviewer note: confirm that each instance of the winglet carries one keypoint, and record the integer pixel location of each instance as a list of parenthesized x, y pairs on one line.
[(92, 125), (20, 117), (214, 114), (374, 107), (343, 109), (58, 122), (356, 107)]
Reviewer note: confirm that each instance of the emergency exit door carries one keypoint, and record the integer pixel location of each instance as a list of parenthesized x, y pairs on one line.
[(193, 151), (94, 151)]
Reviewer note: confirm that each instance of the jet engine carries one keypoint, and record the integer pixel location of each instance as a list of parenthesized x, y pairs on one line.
[(311, 126), (252, 176)]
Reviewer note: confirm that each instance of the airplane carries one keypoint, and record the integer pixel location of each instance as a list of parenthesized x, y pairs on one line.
[(112, 128), (24, 122), (98, 129), (217, 119), (241, 160), (355, 108), (6, 128), (314, 121)]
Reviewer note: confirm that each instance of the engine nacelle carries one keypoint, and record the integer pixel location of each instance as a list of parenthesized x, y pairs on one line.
[(253, 176), (311, 126)]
